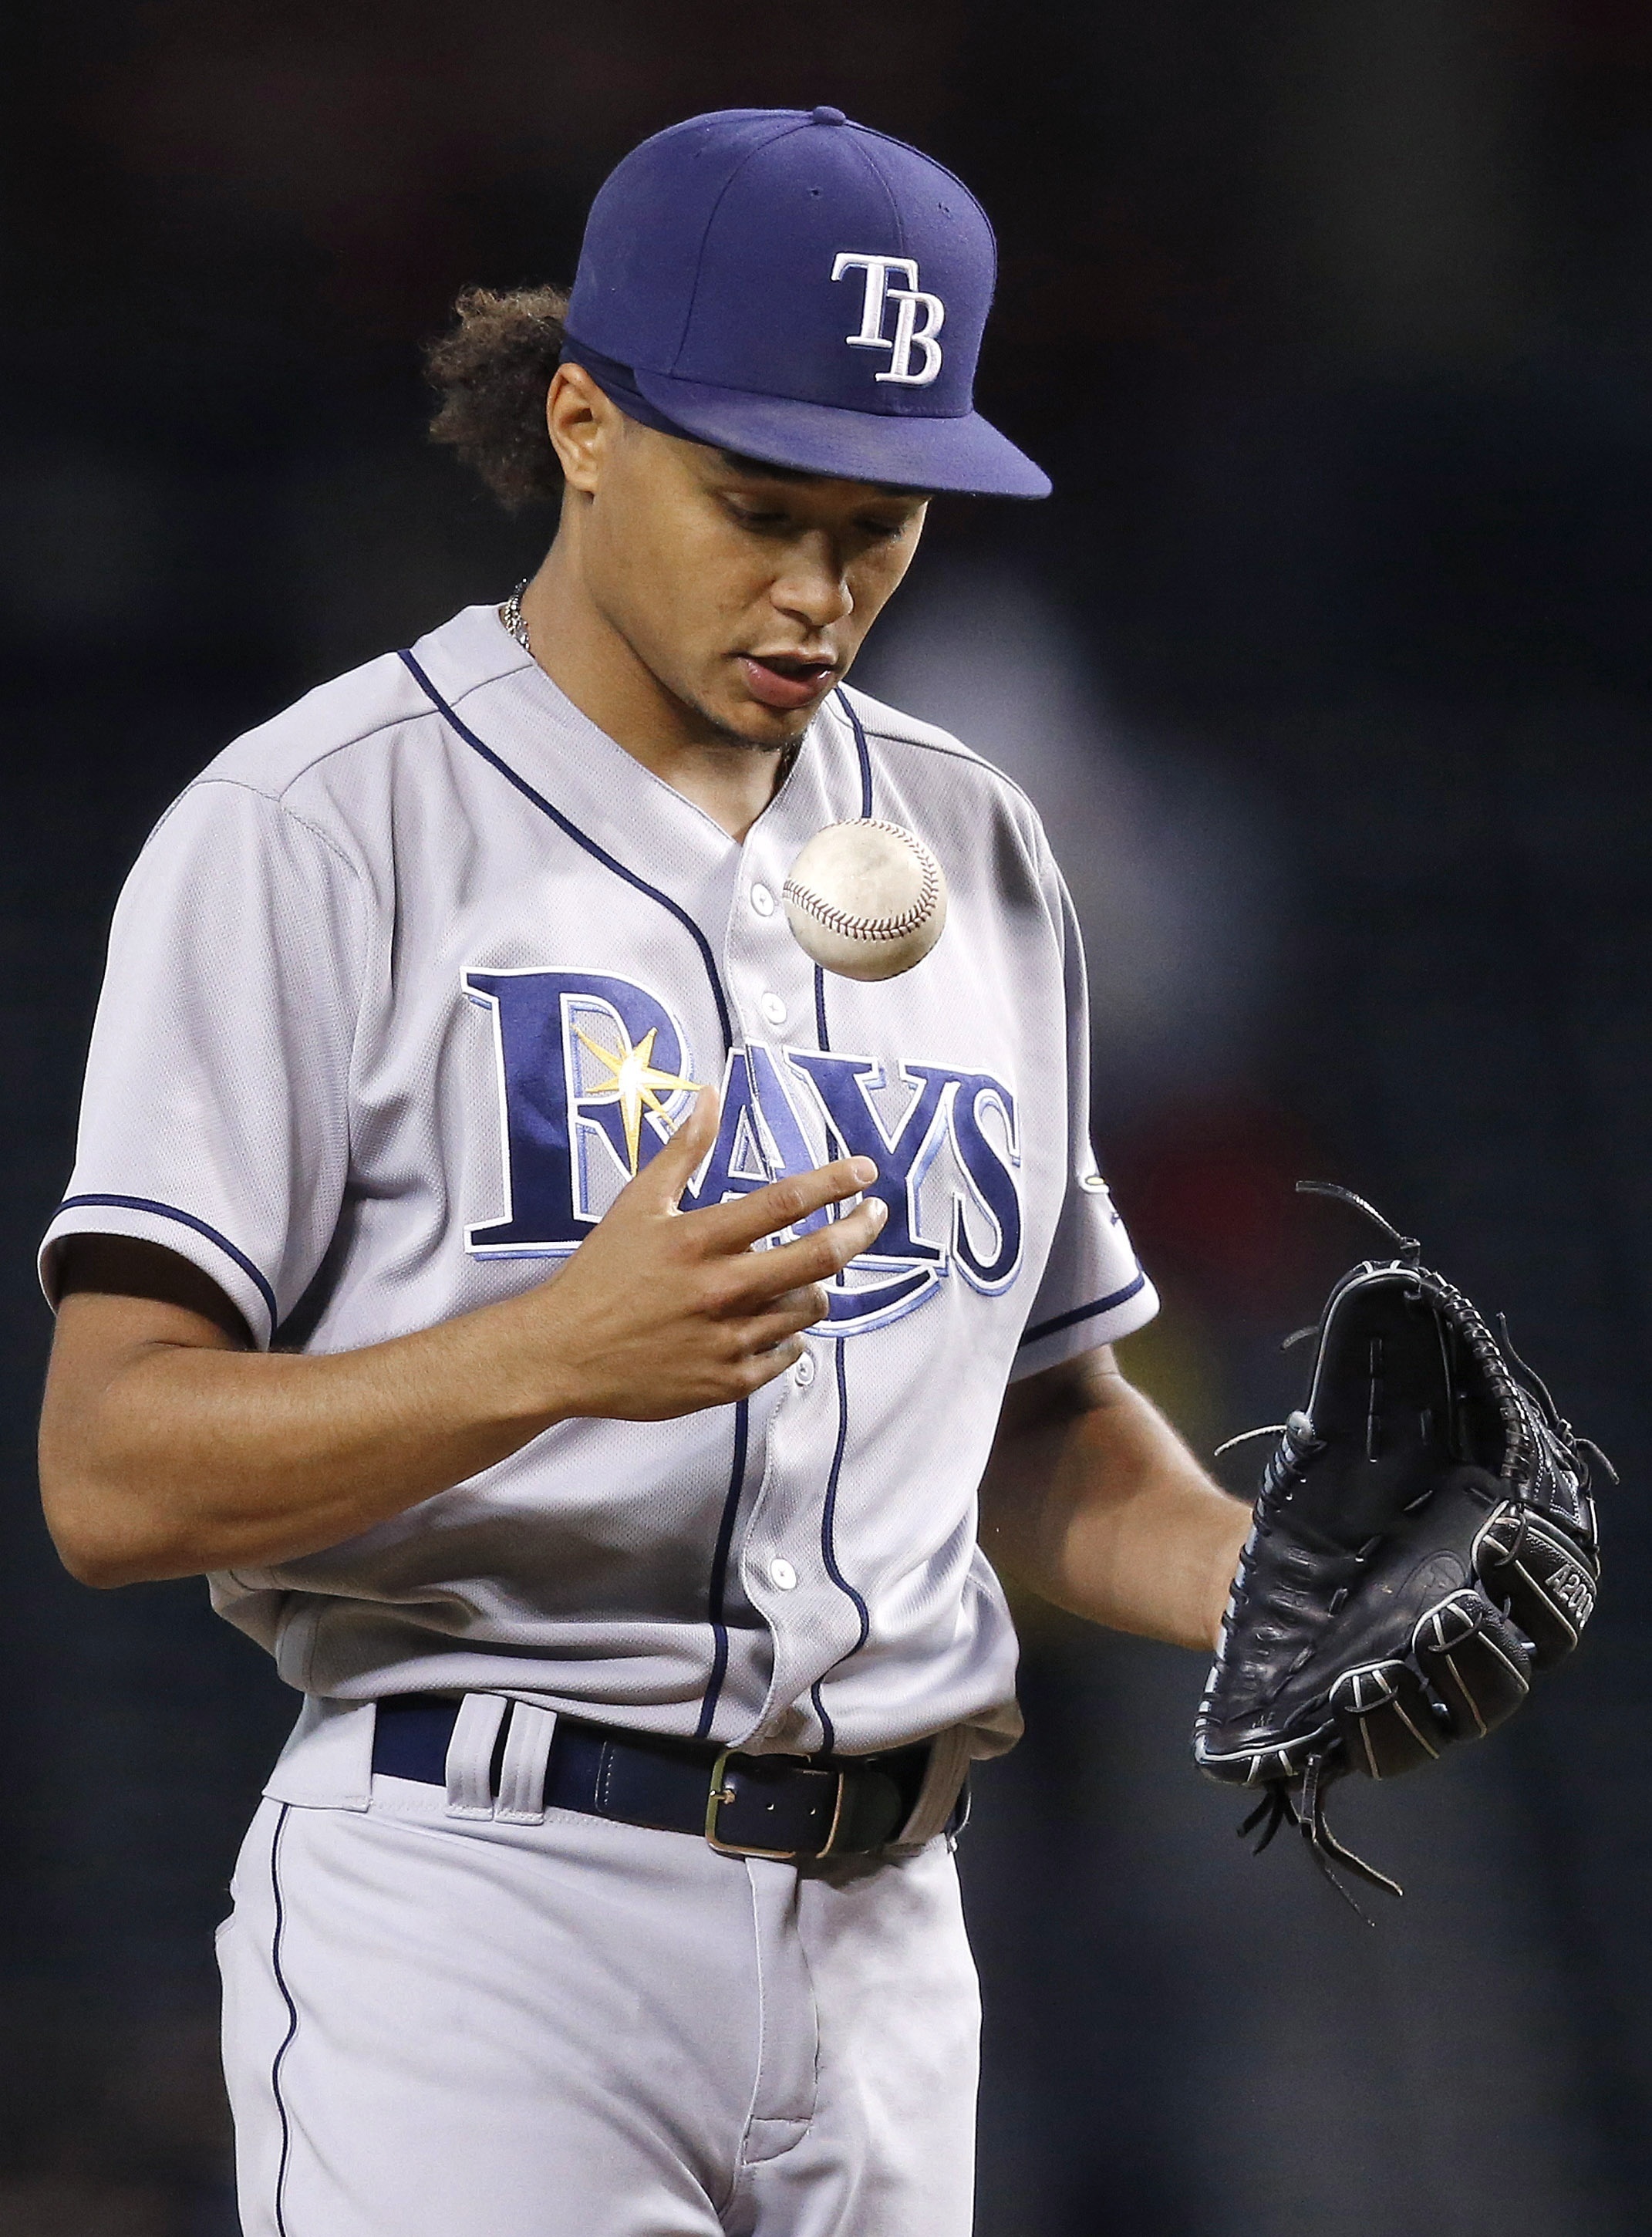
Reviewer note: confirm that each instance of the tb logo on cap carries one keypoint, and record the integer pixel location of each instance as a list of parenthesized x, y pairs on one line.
[(908, 300)]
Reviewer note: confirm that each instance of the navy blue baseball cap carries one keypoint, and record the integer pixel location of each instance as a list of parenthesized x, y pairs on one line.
[(787, 285)]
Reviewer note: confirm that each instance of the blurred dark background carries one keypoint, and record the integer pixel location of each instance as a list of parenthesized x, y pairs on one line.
[(1332, 665)]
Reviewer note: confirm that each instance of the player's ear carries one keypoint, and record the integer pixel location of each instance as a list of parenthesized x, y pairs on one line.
[(584, 425)]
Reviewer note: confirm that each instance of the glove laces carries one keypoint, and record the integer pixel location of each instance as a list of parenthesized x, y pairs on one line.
[(1304, 1810)]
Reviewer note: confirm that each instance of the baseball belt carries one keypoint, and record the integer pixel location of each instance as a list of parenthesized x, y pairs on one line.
[(786, 1807)]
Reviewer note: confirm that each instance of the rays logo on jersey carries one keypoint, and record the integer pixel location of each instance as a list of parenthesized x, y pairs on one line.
[(594, 1073)]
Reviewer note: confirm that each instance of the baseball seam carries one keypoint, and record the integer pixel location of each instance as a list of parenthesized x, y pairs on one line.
[(827, 913)]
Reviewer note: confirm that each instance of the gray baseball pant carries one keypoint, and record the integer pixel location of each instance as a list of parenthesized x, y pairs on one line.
[(448, 2026)]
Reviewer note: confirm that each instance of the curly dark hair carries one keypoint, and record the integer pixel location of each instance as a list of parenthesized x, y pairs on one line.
[(491, 372)]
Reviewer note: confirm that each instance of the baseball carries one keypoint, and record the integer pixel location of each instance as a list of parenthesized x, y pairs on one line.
[(866, 900)]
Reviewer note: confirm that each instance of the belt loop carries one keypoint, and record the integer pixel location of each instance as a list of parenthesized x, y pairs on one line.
[(521, 1772), (944, 1776), (469, 1755)]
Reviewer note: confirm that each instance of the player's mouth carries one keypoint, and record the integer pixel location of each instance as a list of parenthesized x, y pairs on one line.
[(784, 680)]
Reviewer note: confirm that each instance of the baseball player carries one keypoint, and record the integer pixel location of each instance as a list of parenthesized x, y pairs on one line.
[(572, 1330)]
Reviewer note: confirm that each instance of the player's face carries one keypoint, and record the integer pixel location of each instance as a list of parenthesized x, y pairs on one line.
[(746, 591)]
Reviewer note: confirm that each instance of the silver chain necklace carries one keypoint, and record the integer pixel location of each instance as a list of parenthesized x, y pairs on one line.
[(511, 616)]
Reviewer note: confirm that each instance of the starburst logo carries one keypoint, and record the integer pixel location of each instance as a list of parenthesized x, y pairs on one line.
[(636, 1083)]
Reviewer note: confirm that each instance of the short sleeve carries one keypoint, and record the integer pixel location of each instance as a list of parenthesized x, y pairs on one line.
[(215, 1117), (1094, 1290)]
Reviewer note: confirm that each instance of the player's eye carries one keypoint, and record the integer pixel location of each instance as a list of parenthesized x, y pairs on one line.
[(752, 516)]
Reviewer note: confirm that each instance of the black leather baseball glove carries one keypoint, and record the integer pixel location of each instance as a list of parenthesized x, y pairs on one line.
[(1424, 1541)]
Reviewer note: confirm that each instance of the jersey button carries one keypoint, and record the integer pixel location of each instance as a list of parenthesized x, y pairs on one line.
[(781, 1574), (762, 902), (772, 1008), (803, 1373)]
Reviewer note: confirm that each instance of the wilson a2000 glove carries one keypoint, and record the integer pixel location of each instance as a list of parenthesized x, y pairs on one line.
[(1424, 1541)]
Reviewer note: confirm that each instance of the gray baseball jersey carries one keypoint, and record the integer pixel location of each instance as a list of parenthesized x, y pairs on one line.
[(401, 991)]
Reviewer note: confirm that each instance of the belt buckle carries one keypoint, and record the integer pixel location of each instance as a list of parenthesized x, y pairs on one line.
[(720, 1793)]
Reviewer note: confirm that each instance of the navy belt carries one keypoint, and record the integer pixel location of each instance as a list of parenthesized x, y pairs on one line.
[(745, 1805)]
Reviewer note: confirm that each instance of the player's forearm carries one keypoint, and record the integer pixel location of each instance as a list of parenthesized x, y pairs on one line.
[(167, 1447), (186, 1458), (1099, 1506)]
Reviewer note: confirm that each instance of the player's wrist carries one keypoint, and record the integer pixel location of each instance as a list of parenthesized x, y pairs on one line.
[(501, 1368), (547, 1388)]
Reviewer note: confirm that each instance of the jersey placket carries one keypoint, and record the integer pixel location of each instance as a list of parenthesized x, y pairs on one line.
[(784, 1563)]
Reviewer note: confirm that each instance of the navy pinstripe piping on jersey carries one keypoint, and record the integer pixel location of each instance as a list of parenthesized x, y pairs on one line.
[(581, 839), (862, 748), (720, 1572), (829, 1508), (292, 2022), (1085, 1312), (863, 752), (184, 1220), (828, 1538), (829, 1505), (828, 1730)]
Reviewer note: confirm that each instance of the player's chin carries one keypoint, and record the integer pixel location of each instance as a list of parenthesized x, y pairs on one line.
[(768, 729)]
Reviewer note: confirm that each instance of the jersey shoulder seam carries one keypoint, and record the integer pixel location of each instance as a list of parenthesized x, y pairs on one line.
[(277, 795), (953, 754), (277, 792), (276, 799), (420, 713), (343, 745), (957, 752)]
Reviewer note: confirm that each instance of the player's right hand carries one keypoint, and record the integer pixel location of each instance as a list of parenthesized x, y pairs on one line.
[(660, 1311)]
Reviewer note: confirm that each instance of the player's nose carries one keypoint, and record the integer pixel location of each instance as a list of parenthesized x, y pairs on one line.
[(815, 587)]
